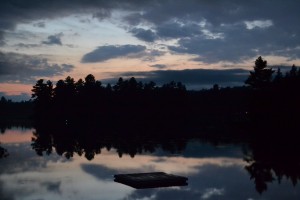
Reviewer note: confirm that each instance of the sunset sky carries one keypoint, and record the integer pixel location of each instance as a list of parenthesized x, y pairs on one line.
[(198, 42)]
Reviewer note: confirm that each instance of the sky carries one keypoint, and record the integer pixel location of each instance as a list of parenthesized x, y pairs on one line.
[(197, 42)]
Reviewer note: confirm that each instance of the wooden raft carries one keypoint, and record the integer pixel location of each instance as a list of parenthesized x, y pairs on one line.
[(151, 180)]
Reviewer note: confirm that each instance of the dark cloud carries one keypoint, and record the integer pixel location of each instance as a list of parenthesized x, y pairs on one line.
[(178, 29), (71, 46), (155, 12), (102, 13), (20, 68), (149, 55), (40, 24), (25, 11), (52, 186), (2, 42), (104, 53), (143, 34), (212, 30), (237, 43), (193, 78), (225, 30), (159, 66), (22, 45), (54, 39)]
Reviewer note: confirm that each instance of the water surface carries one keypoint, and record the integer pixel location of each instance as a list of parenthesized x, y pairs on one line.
[(214, 172)]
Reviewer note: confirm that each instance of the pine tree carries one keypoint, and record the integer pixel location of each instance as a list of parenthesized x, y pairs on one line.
[(261, 76), (279, 76)]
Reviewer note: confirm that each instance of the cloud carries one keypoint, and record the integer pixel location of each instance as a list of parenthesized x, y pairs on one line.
[(21, 68), (31, 10), (178, 29), (222, 186), (98, 171), (212, 30), (40, 24), (159, 66), (52, 186), (225, 31), (4, 194), (212, 192), (22, 45), (258, 24), (53, 39), (202, 186), (108, 52), (193, 78), (149, 55), (102, 13), (143, 34), (237, 43), (2, 42)]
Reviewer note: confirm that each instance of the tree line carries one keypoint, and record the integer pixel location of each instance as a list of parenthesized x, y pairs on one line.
[(89, 91), (268, 97), (15, 113), (266, 92)]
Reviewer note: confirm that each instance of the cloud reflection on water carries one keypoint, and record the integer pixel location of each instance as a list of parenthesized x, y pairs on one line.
[(24, 175)]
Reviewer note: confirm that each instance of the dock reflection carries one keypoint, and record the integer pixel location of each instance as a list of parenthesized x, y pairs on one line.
[(266, 162)]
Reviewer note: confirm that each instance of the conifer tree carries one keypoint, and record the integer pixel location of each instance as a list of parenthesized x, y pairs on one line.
[(261, 76)]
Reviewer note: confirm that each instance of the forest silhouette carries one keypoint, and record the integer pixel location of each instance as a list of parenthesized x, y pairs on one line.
[(268, 103), (82, 117)]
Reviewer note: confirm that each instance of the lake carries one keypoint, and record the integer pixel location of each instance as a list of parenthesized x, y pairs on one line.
[(214, 171)]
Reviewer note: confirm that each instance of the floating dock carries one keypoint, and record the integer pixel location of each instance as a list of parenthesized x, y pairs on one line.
[(151, 180)]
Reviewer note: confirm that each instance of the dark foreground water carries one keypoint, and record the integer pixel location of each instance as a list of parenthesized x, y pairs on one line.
[(214, 172)]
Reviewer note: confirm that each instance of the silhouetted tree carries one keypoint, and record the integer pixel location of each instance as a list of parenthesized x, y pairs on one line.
[(42, 92), (149, 86), (42, 96), (173, 86), (3, 100), (79, 85), (279, 76), (108, 88), (293, 71), (262, 75), (119, 85), (216, 87), (89, 80), (3, 152)]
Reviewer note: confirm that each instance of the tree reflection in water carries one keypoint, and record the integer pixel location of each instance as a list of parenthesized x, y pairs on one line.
[(3, 152), (268, 163), (90, 138), (265, 163)]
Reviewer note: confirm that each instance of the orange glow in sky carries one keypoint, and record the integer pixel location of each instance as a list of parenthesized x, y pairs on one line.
[(16, 136)]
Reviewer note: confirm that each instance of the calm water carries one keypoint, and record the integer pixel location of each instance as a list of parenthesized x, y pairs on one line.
[(214, 172)]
